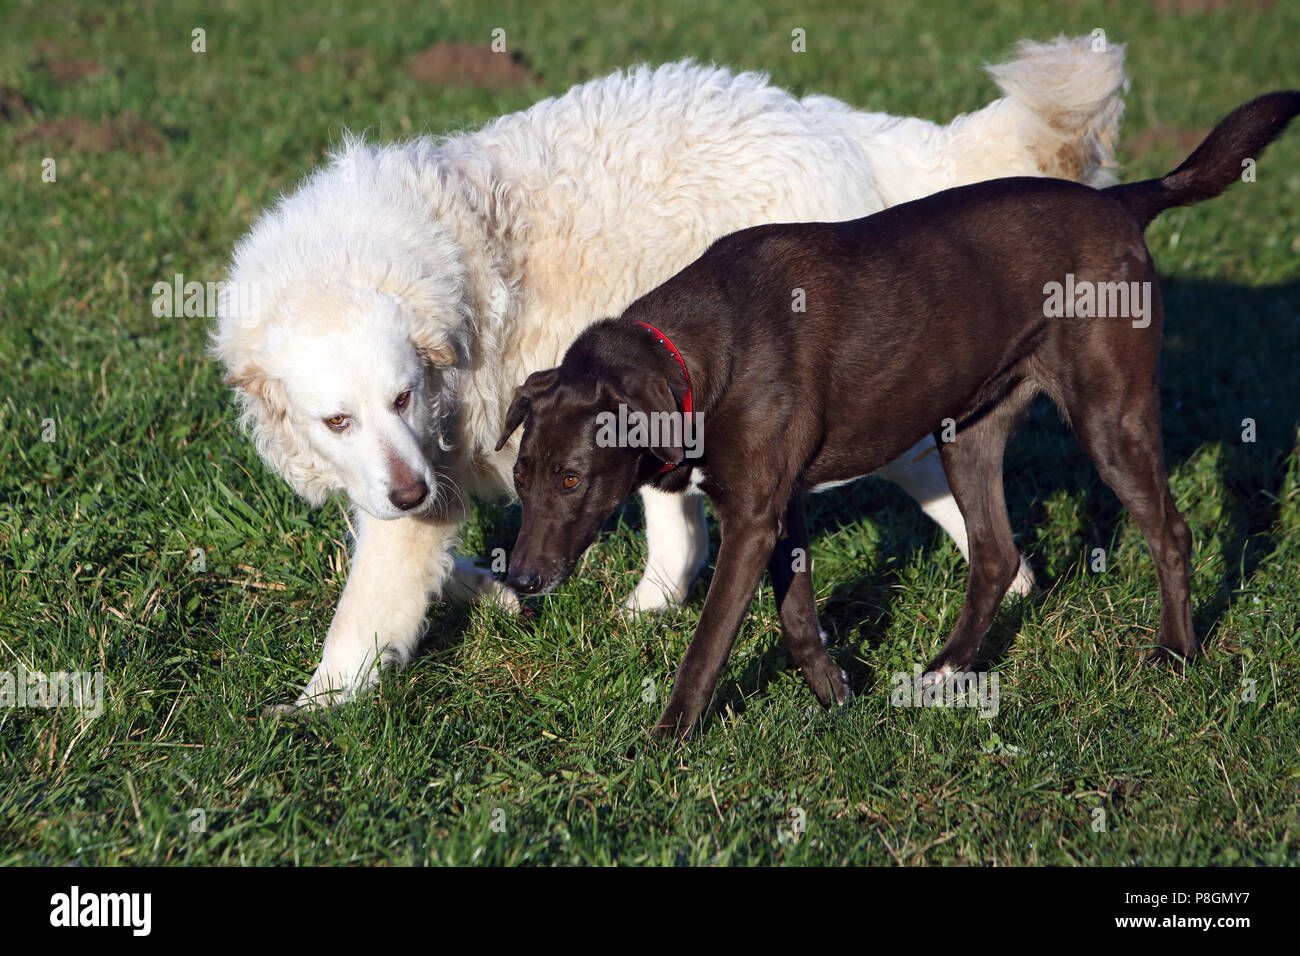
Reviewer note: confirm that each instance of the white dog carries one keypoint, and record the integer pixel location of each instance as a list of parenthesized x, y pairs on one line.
[(388, 308)]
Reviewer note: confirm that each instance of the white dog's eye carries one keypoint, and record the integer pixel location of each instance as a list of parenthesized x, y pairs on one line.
[(402, 400), (337, 423)]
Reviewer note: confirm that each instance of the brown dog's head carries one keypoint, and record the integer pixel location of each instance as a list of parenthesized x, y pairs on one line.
[(574, 468)]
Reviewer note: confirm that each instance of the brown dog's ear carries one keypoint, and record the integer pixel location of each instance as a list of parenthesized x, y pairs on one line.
[(656, 398), (653, 399), (535, 384)]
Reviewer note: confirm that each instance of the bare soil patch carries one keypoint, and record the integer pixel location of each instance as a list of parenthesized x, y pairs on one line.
[(463, 64), (127, 132)]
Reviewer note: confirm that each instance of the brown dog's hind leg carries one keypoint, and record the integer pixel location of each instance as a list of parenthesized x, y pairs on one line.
[(791, 571), (1121, 434), (973, 463)]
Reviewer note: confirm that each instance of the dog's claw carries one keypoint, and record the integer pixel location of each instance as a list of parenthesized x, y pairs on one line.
[(841, 697), (848, 691), (933, 676)]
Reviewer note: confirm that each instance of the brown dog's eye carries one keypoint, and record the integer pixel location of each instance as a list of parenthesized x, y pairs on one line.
[(571, 482), (402, 400), (519, 479), (337, 422)]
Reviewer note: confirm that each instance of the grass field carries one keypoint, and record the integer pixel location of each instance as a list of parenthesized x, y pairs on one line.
[(522, 740)]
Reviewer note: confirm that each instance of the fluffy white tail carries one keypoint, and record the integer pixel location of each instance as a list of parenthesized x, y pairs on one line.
[(1063, 104), (1059, 117)]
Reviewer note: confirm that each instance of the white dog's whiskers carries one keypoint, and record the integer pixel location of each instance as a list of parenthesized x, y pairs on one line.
[(443, 484)]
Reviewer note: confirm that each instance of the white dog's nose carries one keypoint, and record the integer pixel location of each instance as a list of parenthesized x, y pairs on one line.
[(408, 496)]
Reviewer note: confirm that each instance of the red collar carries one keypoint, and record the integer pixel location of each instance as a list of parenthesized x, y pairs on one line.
[(686, 399)]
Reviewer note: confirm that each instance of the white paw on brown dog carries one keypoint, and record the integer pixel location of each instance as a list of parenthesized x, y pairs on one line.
[(403, 291)]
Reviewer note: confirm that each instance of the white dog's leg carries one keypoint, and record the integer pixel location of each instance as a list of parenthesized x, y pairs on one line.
[(677, 546), (919, 472), (398, 566)]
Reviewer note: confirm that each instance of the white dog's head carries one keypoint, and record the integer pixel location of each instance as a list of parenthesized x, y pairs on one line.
[(347, 321), (343, 395), (343, 330), (347, 399)]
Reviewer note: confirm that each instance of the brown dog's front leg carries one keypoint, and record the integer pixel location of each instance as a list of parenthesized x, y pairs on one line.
[(791, 571), (745, 549)]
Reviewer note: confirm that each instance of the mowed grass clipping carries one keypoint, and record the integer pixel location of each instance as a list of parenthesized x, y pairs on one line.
[(144, 539)]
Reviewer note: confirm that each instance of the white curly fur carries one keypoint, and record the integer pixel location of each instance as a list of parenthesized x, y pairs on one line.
[(468, 262)]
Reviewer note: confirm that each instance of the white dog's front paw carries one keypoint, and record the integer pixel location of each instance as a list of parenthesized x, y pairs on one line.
[(650, 597), (1023, 585), (502, 596), (313, 697), (469, 583), (332, 686)]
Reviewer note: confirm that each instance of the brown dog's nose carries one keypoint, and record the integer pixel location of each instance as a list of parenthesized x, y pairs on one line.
[(408, 496), (524, 581)]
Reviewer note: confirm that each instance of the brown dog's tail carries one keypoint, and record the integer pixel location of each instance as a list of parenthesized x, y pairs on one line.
[(1218, 162)]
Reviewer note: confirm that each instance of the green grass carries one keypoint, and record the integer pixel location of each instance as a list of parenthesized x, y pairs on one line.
[(543, 717)]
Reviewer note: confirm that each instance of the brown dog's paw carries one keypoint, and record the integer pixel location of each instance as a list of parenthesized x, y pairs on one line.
[(936, 673), (829, 683), (669, 734), (675, 724), (843, 692), (1168, 657)]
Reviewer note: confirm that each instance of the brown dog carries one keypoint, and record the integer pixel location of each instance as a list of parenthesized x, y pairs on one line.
[(947, 314)]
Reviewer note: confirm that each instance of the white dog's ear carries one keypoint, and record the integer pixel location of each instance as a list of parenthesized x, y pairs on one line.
[(249, 382), (439, 355), (266, 413), (438, 352), (254, 383), (269, 392), (522, 404)]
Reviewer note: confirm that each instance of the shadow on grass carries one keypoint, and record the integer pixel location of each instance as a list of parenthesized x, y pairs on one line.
[(1230, 353)]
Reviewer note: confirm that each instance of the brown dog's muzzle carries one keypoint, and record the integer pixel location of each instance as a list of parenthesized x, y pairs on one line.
[(543, 558)]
